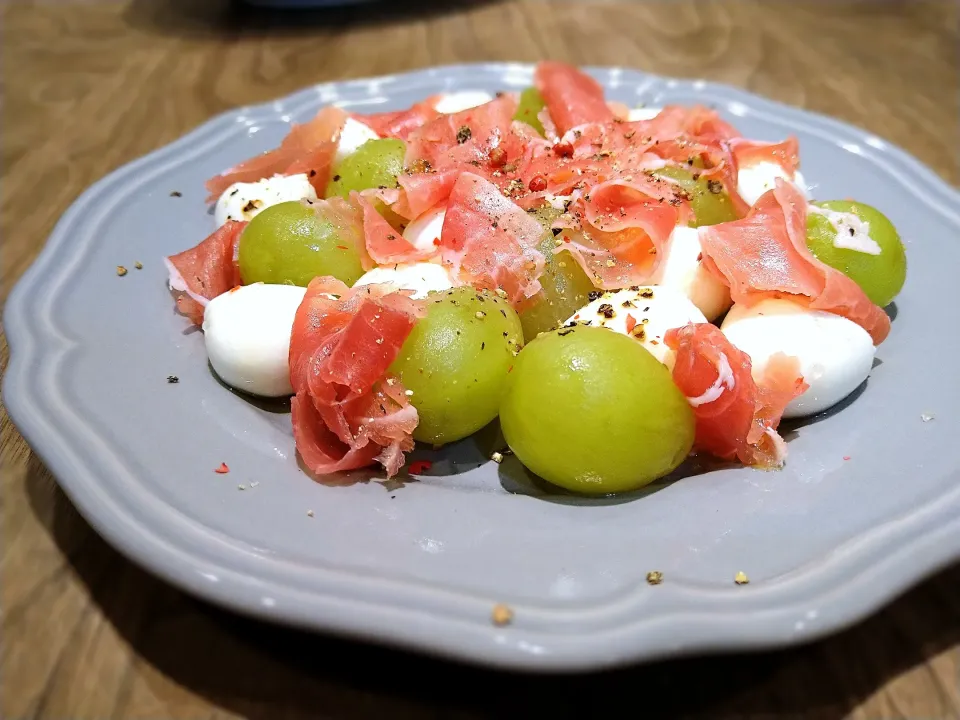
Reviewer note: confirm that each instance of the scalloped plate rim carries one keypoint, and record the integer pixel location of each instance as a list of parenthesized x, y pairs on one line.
[(529, 650)]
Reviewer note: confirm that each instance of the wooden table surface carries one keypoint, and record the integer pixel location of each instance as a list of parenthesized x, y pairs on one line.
[(91, 85)]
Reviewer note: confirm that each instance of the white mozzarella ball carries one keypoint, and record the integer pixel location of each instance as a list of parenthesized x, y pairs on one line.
[(421, 277), (424, 230), (352, 136), (681, 268), (835, 353), (244, 201), (653, 310), (643, 113), (755, 180), (247, 335), (463, 100)]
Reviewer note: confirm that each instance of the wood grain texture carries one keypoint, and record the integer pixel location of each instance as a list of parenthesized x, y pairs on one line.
[(90, 85)]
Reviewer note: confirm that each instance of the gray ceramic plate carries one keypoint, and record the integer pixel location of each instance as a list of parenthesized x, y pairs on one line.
[(824, 542)]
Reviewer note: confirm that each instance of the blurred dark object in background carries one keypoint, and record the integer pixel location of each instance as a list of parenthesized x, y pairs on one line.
[(301, 4), (260, 17)]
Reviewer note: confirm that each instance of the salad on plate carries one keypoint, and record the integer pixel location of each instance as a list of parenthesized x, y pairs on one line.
[(621, 286)]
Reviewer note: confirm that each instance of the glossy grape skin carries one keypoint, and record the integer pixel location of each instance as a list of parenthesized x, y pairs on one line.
[(566, 289), (456, 361), (531, 103), (376, 163), (709, 208), (592, 411), (293, 242), (881, 277)]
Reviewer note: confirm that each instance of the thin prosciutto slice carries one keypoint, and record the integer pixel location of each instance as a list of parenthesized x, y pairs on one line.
[(621, 111), (347, 412), (698, 138), (464, 137), (786, 154), (695, 139), (736, 417), (622, 229), (209, 269), (384, 244), (308, 148), (696, 121), (401, 123), (766, 255), (483, 139), (572, 97), (489, 241), (421, 190)]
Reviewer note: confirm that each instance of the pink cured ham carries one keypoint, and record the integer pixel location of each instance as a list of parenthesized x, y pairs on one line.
[(685, 135), (347, 412), (420, 191), (308, 148), (464, 137), (620, 110), (572, 97), (766, 255), (623, 228), (209, 269), (399, 124), (348, 218), (483, 140), (489, 241), (320, 449), (385, 245), (696, 139), (695, 121), (786, 154), (736, 418)]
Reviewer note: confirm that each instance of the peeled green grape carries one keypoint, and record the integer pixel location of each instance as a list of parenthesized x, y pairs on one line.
[(592, 411), (293, 242), (708, 198), (546, 214), (880, 276), (456, 361), (566, 286), (376, 163), (566, 289), (531, 103)]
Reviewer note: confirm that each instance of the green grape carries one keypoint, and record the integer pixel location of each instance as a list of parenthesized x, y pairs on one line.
[(592, 411), (376, 163), (566, 286), (293, 242), (546, 214), (531, 103), (566, 289), (880, 276), (456, 361), (708, 198)]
